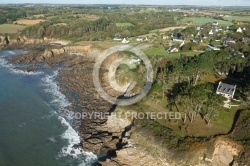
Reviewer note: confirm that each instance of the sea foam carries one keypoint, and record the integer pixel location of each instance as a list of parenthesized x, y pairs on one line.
[(60, 102), (11, 67)]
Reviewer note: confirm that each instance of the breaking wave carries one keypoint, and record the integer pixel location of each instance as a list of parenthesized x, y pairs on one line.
[(61, 103), (11, 67)]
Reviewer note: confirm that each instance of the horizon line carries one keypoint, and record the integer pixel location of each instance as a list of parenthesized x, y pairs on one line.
[(47, 3)]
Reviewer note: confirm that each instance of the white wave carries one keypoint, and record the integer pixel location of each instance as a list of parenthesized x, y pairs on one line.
[(12, 69), (72, 136), (74, 139), (16, 71), (61, 103), (11, 52), (59, 99), (4, 63)]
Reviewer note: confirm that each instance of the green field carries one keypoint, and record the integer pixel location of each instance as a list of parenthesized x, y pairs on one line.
[(11, 28), (204, 20), (237, 18), (154, 51), (123, 24)]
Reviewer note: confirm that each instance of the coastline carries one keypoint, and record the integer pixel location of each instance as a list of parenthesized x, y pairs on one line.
[(59, 103), (100, 136), (95, 136)]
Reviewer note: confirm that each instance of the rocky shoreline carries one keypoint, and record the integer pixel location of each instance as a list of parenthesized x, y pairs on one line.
[(116, 140), (101, 136)]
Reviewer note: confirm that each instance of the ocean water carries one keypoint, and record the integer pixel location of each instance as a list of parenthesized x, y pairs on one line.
[(35, 123)]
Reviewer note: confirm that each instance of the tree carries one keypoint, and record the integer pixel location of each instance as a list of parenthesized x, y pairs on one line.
[(212, 107), (41, 32), (3, 20), (198, 100), (6, 40)]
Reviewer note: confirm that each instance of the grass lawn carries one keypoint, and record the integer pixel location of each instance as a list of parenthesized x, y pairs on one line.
[(204, 20), (153, 51), (123, 24), (199, 128), (226, 119), (237, 18), (188, 53), (221, 124), (11, 28)]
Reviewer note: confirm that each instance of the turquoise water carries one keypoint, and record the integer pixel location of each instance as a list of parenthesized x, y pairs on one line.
[(33, 130)]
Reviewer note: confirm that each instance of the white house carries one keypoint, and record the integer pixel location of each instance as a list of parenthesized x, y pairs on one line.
[(226, 90), (136, 60), (213, 48), (197, 40), (139, 39), (125, 40), (227, 42), (211, 32), (239, 30)]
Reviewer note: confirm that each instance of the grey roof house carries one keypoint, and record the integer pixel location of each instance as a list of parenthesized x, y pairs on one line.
[(226, 90)]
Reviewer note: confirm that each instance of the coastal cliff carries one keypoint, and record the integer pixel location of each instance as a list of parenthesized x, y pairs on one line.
[(119, 141)]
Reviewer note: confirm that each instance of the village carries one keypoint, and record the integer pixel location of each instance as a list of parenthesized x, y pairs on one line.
[(210, 36)]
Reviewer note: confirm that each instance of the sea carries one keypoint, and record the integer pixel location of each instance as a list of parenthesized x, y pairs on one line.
[(36, 123)]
